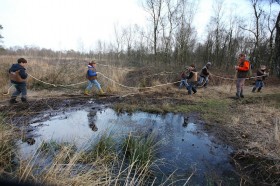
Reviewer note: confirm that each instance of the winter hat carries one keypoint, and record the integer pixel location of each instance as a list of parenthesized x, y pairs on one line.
[(263, 67)]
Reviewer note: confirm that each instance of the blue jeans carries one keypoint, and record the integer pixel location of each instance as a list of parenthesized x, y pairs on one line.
[(91, 83), (20, 89), (192, 87), (201, 79), (183, 82), (259, 84)]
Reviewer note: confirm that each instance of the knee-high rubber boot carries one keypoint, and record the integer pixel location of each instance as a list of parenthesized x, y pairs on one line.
[(241, 94), (101, 92), (23, 99), (13, 100), (86, 92), (238, 94)]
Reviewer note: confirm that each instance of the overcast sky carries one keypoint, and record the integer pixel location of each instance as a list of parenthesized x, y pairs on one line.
[(73, 24)]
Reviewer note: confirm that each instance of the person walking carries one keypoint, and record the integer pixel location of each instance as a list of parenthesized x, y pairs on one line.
[(242, 70), (92, 79), (204, 75), (184, 79), (18, 78), (192, 80), (261, 75)]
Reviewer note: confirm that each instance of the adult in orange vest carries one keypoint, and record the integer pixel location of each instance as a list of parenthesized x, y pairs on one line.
[(242, 69), (18, 77)]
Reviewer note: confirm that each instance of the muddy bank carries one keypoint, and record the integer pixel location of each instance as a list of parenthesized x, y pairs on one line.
[(236, 123)]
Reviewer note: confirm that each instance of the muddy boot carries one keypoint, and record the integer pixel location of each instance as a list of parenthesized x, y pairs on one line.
[(13, 101), (259, 89), (241, 94), (254, 89), (86, 92), (194, 91), (23, 100), (237, 95)]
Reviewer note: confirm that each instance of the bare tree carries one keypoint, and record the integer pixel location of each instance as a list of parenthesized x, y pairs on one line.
[(256, 31), (154, 8), (119, 41), (271, 28), (1, 37), (185, 38), (277, 45), (219, 27), (169, 23)]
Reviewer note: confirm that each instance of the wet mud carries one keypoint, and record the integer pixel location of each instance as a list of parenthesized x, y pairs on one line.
[(30, 117)]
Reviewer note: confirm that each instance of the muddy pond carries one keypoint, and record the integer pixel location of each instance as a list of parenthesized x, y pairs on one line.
[(185, 146)]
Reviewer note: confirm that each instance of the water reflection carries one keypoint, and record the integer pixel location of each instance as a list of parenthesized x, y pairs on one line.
[(184, 146), (92, 120)]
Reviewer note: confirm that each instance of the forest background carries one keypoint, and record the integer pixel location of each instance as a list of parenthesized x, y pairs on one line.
[(171, 40)]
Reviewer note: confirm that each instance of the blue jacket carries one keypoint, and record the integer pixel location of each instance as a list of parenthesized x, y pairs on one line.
[(91, 72), (22, 73)]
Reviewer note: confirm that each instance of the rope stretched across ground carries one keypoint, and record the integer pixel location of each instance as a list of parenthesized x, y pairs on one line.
[(129, 87)]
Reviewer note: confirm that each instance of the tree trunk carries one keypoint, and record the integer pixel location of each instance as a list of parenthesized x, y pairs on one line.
[(277, 47)]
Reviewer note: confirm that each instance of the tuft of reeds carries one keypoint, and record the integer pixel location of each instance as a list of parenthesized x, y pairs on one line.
[(7, 147), (103, 163)]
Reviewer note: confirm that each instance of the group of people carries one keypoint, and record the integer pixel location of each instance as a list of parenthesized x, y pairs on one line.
[(242, 70), (189, 78), (18, 77)]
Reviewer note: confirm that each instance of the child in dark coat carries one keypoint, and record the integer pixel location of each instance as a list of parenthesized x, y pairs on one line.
[(18, 78), (261, 75)]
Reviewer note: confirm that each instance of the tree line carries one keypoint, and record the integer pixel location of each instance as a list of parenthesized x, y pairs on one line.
[(170, 37)]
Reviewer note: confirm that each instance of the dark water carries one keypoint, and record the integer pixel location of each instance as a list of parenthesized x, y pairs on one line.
[(185, 147)]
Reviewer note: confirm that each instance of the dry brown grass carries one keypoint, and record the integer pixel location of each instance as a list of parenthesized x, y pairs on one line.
[(69, 168), (257, 124), (251, 124), (57, 74), (7, 146)]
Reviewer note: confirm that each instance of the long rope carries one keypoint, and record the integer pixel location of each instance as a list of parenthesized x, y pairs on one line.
[(129, 87), (8, 92), (56, 85)]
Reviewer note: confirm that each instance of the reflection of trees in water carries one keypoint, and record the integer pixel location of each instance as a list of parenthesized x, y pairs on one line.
[(92, 120), (169, 130)]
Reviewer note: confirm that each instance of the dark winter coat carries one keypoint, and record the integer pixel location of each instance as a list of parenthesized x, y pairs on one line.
[(18, 74)]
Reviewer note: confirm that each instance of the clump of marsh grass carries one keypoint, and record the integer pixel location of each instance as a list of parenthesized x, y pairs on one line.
[(140, 150), (139, 160), (104, 149), (7, 146), (104, 163)]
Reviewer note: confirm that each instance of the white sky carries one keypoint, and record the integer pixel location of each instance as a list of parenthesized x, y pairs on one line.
[(76, 24)]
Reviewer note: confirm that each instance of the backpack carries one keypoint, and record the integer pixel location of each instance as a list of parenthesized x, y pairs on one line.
[(183, 75)]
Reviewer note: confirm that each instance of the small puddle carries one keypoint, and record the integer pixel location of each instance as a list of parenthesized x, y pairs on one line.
[(185, 147)]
